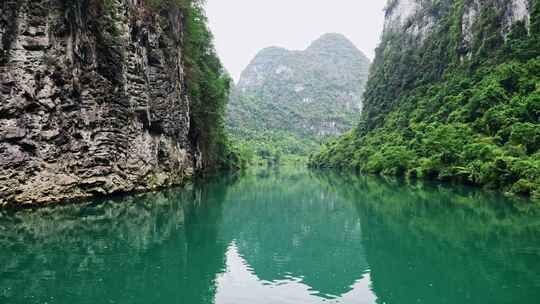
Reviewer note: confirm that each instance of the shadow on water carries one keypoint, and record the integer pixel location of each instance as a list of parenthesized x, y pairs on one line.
[(283, 235)]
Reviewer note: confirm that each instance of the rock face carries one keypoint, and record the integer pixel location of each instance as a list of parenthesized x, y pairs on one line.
[(417, 17), (420, 38), (311, 94), (92, 100), (452, 95)]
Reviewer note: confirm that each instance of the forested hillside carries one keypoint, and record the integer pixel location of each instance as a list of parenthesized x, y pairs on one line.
[(454, 94), (289, 102)]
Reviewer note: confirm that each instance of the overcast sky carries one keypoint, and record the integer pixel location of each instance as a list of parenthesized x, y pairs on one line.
[(244, 27)]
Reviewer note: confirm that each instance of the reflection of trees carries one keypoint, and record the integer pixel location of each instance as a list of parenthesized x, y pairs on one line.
[(284, 225), (135, 249), (438, 244), (433, 243)]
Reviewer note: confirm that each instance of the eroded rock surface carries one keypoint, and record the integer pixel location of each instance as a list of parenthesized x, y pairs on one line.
[(92, 100)]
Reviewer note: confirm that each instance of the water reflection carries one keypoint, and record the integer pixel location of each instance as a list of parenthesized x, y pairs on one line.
[(287, 225), (428, 243), (150, 248), (240, 284), (286, 236)]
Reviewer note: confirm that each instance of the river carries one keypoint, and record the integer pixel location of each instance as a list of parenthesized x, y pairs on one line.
[(283, 235)]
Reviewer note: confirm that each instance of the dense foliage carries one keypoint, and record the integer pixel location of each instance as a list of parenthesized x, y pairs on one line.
[(263, 143), (467, 113), (289, 102), (208, 86)]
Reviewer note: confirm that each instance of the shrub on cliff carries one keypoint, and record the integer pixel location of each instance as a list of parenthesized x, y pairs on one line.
[(208, 86)]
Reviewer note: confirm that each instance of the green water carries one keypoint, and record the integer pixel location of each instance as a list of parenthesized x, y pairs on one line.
[(277, 236)]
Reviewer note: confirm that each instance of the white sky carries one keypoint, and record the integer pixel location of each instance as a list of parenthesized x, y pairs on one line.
[(243, 27)]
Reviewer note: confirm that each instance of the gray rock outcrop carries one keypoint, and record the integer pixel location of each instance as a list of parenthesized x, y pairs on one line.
[(92, 100)]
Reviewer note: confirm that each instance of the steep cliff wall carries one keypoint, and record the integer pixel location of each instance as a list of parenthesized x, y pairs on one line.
[(453, 94), (423, 40), (92, 99)]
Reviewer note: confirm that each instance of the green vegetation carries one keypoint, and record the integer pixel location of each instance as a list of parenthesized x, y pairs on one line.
[(287, 103), (165, 4), (208, 86), (449, 110), (263, 144)]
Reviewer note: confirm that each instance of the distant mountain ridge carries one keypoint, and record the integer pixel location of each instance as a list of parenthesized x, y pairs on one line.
[(287, 97)]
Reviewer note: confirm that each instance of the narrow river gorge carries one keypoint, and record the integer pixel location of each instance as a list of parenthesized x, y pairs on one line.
[(285, 235)]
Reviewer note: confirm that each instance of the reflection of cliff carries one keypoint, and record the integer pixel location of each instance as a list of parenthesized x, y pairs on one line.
[(286, 226), (291, 234), (136, 249), (433, 244)]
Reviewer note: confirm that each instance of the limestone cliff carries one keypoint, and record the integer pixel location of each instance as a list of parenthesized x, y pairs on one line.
[(453, 94), (92, 99), (422, 40)]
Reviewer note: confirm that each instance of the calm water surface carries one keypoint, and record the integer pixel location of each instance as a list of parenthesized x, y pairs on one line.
[(277, 236)]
